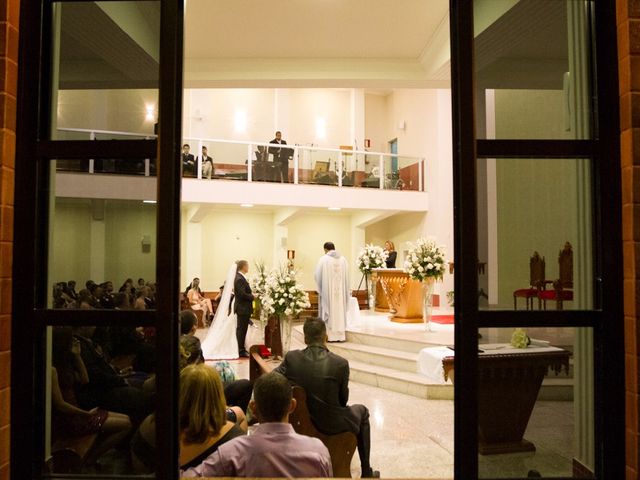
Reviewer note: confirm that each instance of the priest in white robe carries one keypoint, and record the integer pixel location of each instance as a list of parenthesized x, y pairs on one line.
[(332, 278)]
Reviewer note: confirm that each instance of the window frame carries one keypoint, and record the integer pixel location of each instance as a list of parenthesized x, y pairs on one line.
[(34, 153), (607, 318)]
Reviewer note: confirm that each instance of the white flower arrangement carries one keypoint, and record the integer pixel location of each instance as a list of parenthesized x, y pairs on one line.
[(283, 295), (425, 259), (370, 257), (258, 281)]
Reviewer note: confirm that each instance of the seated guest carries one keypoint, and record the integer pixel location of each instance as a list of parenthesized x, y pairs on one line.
[(392, 255), (188, 322), (106, 388), (207, 164), (325, 378), (140, 303), (121, 301), (192, 348), (188, 162), (71, 289), (198, 301), (141, 282), (150, 299), (85, 300), (237, 392), (69, 420), (204, 426), (274, 449)]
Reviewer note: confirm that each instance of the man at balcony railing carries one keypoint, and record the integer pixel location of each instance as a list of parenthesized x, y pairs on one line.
[(281, 156), (207, 164), (188, 162)]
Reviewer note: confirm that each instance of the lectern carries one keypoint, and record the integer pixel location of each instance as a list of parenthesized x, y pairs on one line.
[(402, 296)]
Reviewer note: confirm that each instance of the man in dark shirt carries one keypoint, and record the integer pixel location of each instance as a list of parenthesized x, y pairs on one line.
[(281, 157), (325, 378), (188, 162)]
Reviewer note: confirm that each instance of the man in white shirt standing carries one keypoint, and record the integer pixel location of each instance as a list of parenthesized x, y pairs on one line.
[(332, 279)]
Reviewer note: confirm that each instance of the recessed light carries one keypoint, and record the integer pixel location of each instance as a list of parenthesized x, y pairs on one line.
[(149, 201), (334, 209), (246, 205)]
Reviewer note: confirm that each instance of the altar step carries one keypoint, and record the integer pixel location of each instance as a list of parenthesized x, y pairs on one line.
[(390, 362)]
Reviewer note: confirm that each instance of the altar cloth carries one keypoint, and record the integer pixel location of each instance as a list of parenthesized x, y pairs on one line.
[(430, 358)]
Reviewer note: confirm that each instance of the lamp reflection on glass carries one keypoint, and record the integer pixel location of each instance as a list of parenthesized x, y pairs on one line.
[(151, 113)]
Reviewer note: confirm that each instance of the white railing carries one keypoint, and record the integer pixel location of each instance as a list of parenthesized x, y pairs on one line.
[(342, 167), (350, 167)]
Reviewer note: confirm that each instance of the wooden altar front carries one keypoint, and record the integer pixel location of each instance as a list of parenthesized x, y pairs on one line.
[(508, 387), (397, 293)]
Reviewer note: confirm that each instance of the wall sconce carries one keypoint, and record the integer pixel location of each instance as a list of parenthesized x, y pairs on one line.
[(151, 113)]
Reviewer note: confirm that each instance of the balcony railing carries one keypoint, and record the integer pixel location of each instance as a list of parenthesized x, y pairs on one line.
[(254, 162)]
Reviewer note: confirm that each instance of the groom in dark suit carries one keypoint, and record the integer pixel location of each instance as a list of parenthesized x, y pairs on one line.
[(243, 306), (325, 379)]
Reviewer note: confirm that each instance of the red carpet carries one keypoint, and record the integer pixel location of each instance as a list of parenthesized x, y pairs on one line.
[(443, 319)]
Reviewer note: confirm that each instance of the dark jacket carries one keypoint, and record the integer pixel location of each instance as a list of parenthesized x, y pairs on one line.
[(280, 154), (391, 259), (243, 295), (325, 378)]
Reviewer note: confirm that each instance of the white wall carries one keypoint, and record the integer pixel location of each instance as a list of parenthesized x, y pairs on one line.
[(78, 254), (115, 110)]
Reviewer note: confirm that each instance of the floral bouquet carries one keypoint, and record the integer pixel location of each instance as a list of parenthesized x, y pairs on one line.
[(425, 260), (258, 284), (283, 295), (370, 257), (286, 298)]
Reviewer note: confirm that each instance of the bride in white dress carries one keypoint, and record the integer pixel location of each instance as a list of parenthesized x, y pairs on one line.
[(220, 342)]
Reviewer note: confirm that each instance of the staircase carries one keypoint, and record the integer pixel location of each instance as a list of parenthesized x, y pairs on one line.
[(390, 362)]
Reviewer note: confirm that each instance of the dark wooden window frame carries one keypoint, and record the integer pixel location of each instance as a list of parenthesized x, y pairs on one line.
[(606, 319), (34, 153)]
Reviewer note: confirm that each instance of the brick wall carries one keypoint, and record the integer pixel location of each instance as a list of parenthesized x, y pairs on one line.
[(628, 13), (9, 11)]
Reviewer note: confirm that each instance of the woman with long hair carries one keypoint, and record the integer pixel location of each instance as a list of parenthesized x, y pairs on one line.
[(202, 414), (392, 255), (198, 301)]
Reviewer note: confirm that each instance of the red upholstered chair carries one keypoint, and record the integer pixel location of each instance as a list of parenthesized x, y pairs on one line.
[(563, 286), (536, 282)]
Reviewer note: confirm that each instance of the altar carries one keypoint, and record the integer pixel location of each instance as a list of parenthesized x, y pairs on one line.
[(397, 293), (509, 380)]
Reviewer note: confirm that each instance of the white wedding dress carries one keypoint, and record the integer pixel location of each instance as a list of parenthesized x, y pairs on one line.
[(220, 342)]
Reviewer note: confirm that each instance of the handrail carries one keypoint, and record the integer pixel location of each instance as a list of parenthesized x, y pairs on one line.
[(297, 158), (107, 132), (311, 148)]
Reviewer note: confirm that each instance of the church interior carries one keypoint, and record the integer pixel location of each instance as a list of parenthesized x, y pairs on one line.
[(365, 109)]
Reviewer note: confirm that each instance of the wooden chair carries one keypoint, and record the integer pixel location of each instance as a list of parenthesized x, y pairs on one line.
[(69, 454), (341, 446), (563, 286), (536, 282)]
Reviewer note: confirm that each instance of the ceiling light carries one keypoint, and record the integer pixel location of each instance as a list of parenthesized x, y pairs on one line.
[(334, 209), (149, 201), (246, 205)]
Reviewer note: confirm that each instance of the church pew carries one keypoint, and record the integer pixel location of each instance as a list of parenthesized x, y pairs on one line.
[(341, 446)]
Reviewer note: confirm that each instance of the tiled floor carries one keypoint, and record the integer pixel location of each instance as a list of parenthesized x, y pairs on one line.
[(413, 437)]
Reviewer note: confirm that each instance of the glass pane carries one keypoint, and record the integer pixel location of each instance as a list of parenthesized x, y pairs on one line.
[(409, 173), (102, 239), (535, 247), (532, 69), (100, 400), (99, 92), (535, 401)]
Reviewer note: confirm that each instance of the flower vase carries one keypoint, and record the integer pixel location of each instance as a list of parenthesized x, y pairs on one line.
[(427, 302), (371, 286), (286, 323)]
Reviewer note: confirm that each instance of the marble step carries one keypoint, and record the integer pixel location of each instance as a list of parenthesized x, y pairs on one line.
[(398, 381), (383, 357)]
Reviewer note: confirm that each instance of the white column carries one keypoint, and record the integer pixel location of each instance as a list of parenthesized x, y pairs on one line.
[(578, 107), (357, 242)]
